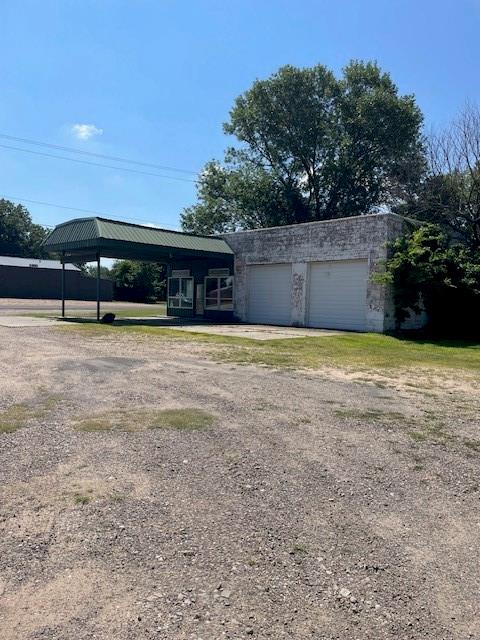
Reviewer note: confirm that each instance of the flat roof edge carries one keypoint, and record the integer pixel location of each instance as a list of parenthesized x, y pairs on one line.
[(329, 221)]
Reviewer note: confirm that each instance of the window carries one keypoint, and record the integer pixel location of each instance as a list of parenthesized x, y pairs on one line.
[(180, 293), (219, 293)]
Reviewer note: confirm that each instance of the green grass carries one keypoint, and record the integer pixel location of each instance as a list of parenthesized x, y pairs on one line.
[(358, 351), (369, 414), (18, 415), (14, 418), (361, 352), (432, 429), (96, 424), (189, 419), (81, 499), (184, 419), (153, 310)]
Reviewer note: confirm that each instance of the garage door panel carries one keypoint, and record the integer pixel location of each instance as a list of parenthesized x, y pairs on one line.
[(270, 293), (337, 294)]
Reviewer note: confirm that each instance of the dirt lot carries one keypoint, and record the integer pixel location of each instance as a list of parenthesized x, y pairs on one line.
[(309, 503)]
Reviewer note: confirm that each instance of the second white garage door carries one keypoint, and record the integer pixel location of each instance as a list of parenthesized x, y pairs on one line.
[(270, 293), (337, 295)]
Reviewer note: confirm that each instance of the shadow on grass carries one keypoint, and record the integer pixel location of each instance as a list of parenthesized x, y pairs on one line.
[(437, 341), (143, 322)]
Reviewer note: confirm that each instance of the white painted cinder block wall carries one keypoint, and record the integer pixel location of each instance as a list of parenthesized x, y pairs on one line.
[(360, 237)]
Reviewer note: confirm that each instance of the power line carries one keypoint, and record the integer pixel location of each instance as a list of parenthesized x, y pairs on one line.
[(96, 155), (97, 213), (97, 164)]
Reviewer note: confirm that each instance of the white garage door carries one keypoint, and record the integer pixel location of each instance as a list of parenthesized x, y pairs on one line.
[(270, 293), (337, 295)]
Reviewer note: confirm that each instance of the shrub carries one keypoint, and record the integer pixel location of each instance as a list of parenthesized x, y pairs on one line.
[(429, 268)]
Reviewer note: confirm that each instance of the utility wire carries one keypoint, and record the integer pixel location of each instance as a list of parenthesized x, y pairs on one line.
[(97, 213), (97, 164), (96, 155)]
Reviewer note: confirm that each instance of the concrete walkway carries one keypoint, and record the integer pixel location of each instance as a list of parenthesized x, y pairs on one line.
[(252, 331), (25, 321)]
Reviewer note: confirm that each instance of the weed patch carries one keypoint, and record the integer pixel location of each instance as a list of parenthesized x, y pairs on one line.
[(189, 419), (369, 414), (18, 415), (299, 549), (118, 497), (184, 419), (13, 418)]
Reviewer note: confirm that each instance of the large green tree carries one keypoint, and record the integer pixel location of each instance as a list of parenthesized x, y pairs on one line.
[(19, 236), (312, 146)]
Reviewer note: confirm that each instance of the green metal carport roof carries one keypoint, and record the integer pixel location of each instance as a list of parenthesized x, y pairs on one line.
[(83, 239)]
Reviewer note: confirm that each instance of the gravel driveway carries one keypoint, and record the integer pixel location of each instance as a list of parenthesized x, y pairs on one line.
[(310, 508)]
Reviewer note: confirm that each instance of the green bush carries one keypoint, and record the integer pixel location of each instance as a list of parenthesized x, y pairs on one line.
[(429, 269), (139, 281)]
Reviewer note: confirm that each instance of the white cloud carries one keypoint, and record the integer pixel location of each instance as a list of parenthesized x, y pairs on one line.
[(86, 131)]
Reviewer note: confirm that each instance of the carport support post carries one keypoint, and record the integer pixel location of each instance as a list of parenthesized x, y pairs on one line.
[(98, 287), (63, 284)]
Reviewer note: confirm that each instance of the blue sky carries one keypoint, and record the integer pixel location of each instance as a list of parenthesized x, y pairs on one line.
[(156, 79)]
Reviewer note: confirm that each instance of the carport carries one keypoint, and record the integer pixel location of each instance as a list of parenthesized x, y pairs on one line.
[(199, 268)]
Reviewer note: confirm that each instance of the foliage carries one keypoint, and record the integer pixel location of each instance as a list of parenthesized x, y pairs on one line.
[(428, 269), (450, 194), (19, 236), (91, 270), (440, 262), (312, 147), (138, 281), (247, 197)]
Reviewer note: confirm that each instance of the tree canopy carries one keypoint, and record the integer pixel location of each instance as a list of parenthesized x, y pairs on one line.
[(19, 236), (312, 146), (450, 193), (437, 266)]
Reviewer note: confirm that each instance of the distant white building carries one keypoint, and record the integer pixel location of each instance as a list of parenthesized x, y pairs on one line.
[(34, 263)]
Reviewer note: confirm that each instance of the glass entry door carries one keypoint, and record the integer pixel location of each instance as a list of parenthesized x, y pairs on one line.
[(180, 293), (219, 293)]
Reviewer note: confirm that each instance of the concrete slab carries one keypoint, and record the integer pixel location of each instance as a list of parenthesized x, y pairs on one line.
[(252, 331), (256, 331), (25, 321)]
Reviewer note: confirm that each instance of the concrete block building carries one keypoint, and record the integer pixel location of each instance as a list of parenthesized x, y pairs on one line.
[(317, 274)]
